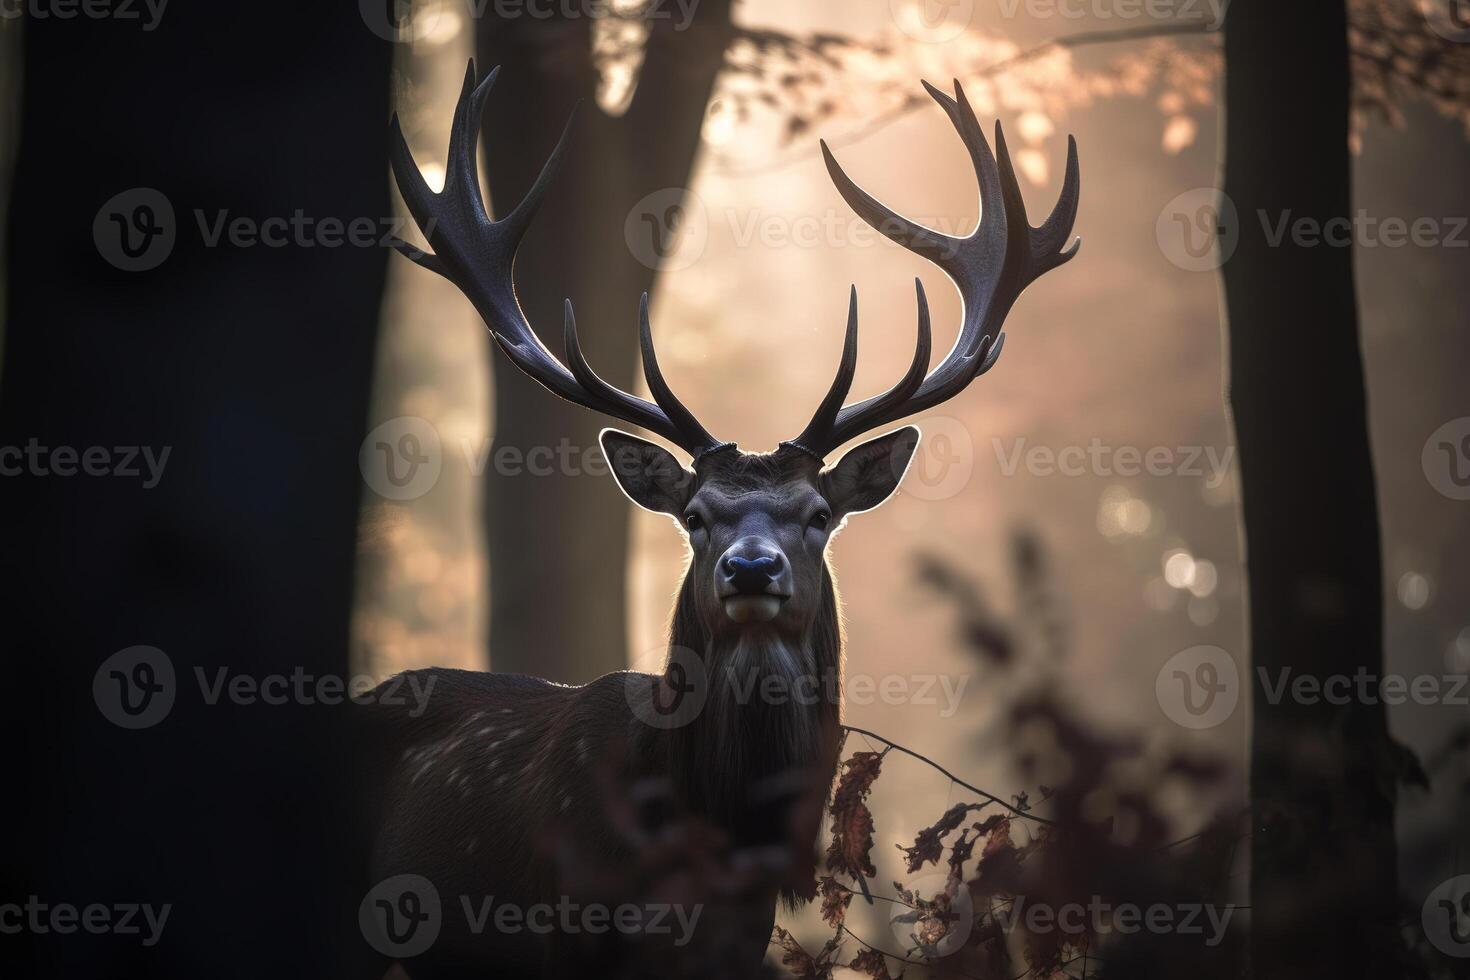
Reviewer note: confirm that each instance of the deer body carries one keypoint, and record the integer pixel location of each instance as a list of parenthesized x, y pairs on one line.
[(702, 786)]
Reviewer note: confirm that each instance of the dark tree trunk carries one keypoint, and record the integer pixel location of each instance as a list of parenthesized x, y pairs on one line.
[(1323, 880), (252, 367), (558, 543)]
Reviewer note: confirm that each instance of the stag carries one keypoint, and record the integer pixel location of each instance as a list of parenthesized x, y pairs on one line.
[(499, 764)]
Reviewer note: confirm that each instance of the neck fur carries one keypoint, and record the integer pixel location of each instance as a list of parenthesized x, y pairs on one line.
[(769, 721)]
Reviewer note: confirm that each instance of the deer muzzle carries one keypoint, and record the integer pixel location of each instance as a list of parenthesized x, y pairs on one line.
[(753, 580)]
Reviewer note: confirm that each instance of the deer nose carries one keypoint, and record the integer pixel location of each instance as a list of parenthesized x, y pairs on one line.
[(750, 574)]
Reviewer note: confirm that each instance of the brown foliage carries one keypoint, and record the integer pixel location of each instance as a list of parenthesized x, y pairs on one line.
[(803, 965), (836, 897), (871, 963), (852, 823), (929, 844), (1007, 862)]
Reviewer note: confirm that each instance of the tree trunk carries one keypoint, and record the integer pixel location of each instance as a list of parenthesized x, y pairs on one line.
[(558, 541), (1323, 879), (251, 367)]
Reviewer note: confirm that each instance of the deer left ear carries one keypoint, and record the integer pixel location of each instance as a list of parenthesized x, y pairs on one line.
[(649, 474), (868, 474)]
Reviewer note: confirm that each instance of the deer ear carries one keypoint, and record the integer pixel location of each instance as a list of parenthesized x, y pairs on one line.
[(868, 474), (649, 474)]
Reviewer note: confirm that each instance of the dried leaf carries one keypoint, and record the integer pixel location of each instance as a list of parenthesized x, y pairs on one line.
[(803, 965), (871, 963), (836, 897), (929, 844), (852, 823)]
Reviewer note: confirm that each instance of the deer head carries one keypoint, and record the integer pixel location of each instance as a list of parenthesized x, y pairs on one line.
[(758, 524)]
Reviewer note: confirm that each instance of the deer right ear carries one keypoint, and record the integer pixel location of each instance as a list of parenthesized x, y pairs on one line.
[(649, 474), (867, 475)]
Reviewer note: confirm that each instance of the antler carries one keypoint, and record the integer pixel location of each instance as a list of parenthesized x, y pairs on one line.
[(991, 267), (477, 254)]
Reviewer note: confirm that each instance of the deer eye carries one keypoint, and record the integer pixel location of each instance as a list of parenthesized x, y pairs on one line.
[(693, 521), (820, 520)]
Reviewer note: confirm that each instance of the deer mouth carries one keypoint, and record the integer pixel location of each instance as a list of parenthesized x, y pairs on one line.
[(753, 608)]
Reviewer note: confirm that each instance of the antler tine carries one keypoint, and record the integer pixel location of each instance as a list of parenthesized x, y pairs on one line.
[(462, 173), (819, 431), (820, 427), (991, 267), (683, 420), (477, 254)]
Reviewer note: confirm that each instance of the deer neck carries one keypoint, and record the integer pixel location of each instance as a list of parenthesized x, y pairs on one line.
[(768, 726)]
